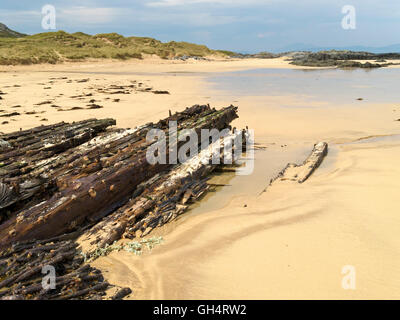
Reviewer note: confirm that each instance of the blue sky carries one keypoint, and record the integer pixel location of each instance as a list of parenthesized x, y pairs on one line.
[(239, 25)]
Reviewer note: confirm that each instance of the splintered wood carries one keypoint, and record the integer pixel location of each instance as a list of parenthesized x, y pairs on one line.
[(82, 185), (301, 173), (21, 275), (88, 180), (163, 198)]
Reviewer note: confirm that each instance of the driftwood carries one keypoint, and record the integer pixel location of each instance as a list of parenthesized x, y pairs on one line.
[(21, 275), (122, 293), (100, 177), (301, 173), (24, 155), (52, 138), (57, 182), (163, 198)]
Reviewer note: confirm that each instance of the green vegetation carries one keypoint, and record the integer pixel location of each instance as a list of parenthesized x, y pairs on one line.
[(6, 32), (56, 47), (135, 247), (227, 53)]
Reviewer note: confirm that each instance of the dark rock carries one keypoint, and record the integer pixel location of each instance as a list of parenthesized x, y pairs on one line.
[(12, 114), (120, 294), (340, 59), (43, 102), (94, 106), (160, 92)]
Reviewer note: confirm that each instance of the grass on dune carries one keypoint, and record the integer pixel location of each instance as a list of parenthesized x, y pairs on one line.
[(55, 47)]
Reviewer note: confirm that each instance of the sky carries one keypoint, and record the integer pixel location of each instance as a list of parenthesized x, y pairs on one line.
[(238, 25)]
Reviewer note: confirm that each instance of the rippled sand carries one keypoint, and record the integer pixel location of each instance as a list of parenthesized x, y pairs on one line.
[(293, 240)]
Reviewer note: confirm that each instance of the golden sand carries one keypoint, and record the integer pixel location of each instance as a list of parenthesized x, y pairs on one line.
[(291, 241)]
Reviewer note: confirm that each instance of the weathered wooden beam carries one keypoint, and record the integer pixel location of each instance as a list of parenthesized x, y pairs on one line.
[(163, 197), (21, 272), (85, 196), (39, 171), (55, 140), (301, 173)]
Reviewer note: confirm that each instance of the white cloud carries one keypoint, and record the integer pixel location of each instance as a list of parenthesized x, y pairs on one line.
[(265, 34), (198, 19), (19, 20), (171, 3), (88, 15), (19, 15)]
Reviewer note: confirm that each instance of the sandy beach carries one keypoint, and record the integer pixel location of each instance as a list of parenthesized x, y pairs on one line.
[(287, 241)]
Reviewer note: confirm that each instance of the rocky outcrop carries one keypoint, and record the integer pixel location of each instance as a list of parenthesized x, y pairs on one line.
[(341, 59)]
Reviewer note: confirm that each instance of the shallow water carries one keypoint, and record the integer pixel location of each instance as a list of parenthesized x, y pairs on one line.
[(267, 164), (292, 241), (330, 85), (320, 88)]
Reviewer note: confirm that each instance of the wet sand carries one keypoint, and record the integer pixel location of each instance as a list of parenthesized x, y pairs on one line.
[(25, 87), (291, 241)]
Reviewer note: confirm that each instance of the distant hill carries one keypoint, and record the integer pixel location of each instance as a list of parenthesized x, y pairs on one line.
[(308, 47), (5, 32), (60, 46)]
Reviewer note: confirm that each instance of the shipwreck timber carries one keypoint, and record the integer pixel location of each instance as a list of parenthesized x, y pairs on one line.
[(300, 173), (90, 181), (87, 182), (87, 179), (21, 268), (64, 181)]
